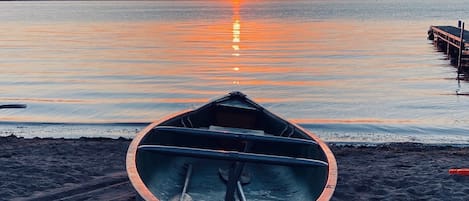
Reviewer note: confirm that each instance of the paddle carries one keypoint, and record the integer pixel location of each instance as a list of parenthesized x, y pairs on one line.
[(240, 191), (184, 196), (244, 179), (10, 106)]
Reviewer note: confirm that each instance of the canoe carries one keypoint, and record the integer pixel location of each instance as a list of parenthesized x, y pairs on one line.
[(230, 149)]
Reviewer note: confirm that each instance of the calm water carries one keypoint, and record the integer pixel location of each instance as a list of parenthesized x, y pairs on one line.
[(352, 71)]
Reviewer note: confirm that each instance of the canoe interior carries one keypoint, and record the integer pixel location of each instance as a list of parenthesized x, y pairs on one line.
[(164, 174)]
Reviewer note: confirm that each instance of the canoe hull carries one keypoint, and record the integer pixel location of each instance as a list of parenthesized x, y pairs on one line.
[(159, 176)]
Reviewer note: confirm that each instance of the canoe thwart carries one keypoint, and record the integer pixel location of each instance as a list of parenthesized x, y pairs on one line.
[(233, 156), (237, 136)]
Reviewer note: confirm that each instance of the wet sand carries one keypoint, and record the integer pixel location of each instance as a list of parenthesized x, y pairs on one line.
[(94, 169)]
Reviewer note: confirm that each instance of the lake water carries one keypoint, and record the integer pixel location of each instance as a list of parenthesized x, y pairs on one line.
[(350, 71)]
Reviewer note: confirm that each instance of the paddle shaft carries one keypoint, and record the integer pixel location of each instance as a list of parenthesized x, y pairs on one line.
[(235, 173), (233, 178), (241, 192), (186, 182)]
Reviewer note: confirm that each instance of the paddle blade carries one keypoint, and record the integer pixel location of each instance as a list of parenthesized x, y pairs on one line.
[(186, 197)]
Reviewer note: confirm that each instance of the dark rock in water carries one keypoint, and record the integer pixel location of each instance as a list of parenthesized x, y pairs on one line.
[(10, 137), (124, 139), (94, 138)]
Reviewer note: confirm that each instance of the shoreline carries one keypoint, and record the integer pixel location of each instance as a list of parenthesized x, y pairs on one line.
[(334, 133), (394, 171)]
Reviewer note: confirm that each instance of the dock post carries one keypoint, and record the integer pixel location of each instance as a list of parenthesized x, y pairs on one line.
[(461, 46), (459, 23), (448, 50)]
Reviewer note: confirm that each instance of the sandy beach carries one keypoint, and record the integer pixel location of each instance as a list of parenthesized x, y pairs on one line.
[(65, 169), (94, 169), (401, 171)]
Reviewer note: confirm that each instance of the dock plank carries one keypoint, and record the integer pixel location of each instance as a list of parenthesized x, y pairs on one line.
[(455, 31), (447, 39)]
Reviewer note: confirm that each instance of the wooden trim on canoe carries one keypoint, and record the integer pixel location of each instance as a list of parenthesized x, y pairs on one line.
[(131, 167), (332, 174), (332, 168)]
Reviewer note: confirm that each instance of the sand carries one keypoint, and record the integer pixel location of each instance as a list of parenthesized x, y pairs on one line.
[(94, 169), (402, 171), (45, 169)]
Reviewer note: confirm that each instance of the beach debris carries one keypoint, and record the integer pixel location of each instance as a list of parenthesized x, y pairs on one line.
[(459, 171)]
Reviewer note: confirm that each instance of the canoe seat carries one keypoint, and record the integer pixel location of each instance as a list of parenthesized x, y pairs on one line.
[(233, 156), (233, 135)]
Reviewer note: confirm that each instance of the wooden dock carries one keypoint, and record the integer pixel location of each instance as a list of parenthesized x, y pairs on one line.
[(453, 42)]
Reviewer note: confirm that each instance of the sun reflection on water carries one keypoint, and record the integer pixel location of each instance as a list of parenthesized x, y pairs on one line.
[(236, 35)]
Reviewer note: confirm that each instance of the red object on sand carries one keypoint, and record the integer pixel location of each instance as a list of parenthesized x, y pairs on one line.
[(462, 171)]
